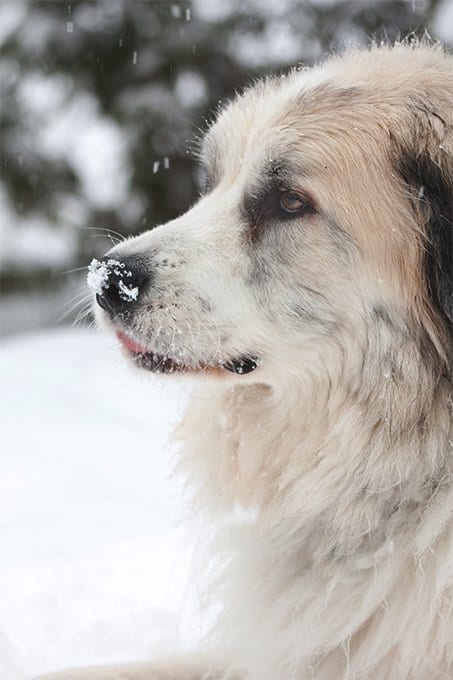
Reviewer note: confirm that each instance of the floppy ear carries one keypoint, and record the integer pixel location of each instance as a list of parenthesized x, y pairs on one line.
[(426, 165)]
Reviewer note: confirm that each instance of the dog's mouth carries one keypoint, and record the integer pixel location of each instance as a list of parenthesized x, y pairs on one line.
[(159, 363)]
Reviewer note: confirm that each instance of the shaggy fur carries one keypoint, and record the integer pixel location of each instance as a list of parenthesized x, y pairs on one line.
[(327, 472)]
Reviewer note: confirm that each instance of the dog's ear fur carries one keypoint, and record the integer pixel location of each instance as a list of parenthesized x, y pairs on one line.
[(426, 165)]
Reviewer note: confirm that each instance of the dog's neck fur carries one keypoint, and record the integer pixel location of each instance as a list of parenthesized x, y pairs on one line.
[(341, 474), (363, 435)]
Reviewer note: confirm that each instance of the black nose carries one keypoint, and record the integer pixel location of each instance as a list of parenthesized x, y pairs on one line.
[(119, 284)]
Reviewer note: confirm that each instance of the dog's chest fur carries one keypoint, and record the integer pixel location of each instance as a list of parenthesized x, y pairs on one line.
[(330, 515)]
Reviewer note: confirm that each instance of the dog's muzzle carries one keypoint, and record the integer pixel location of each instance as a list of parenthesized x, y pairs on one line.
[(119, 286)]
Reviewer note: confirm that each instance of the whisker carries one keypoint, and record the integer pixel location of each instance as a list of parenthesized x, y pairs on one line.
[(74, 303), (71, 271), (82, 315), (78, 296), (115, 236)]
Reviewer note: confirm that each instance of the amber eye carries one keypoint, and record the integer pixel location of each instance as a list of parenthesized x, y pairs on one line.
[(290, 202)]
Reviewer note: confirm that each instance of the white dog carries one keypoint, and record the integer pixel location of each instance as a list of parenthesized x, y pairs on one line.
[(309, 293)]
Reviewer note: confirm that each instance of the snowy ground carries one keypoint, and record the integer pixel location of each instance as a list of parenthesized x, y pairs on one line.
[(93, 561)]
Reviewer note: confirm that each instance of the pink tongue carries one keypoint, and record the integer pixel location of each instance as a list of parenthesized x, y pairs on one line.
[(130, 344)]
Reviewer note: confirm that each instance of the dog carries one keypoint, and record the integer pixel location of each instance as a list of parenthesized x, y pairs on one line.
[(308, 295)]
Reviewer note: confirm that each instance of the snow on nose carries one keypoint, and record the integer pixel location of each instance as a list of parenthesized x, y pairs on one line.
[(117, 283)]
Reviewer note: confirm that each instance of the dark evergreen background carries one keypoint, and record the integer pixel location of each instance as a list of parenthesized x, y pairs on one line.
[(157, 70)]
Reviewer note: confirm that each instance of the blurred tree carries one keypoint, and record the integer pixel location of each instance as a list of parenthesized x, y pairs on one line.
[(100, 99)]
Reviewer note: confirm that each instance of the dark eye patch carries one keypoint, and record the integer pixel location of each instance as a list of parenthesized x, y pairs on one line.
[(268, 204), (270, 199)]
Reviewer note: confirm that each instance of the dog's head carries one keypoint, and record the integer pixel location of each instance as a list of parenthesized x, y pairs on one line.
[(327, 208)]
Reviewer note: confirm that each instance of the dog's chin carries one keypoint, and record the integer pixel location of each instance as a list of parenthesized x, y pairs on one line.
[(150, 360)]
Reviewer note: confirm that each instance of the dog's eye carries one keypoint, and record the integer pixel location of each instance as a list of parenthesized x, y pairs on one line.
[(290, 202)]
